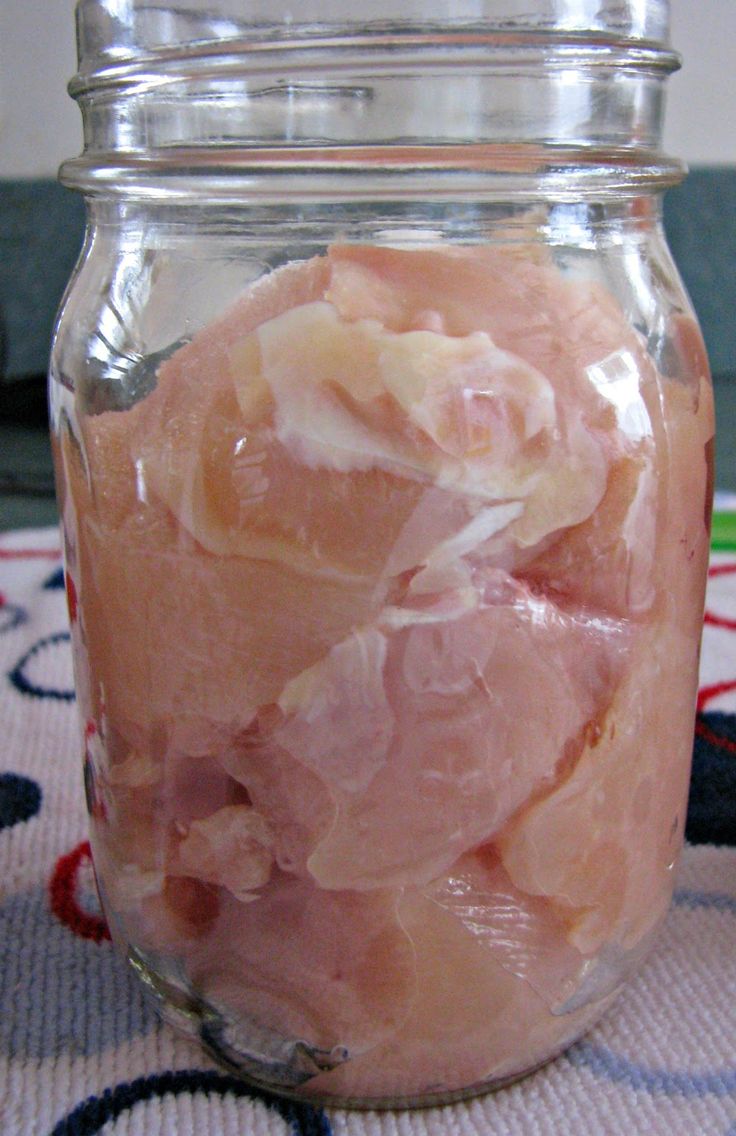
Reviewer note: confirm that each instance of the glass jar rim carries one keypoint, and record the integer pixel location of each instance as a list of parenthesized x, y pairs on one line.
[(116, 35), (250, 97)]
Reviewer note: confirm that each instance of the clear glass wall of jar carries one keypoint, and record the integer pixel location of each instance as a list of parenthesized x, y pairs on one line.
[(383, 436)]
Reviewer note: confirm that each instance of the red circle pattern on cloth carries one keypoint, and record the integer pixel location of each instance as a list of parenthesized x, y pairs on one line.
[(64, 895)]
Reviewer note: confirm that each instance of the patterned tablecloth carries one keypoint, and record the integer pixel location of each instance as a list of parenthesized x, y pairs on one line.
[(82, 1053)]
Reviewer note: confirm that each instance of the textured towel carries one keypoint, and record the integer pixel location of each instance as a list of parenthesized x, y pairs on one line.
[(81, 1052)]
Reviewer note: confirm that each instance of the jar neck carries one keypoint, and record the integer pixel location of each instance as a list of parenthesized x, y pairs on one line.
[(622, 222), (467, 109)]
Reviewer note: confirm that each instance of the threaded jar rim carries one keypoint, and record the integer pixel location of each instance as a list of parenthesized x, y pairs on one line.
[(497, 91)]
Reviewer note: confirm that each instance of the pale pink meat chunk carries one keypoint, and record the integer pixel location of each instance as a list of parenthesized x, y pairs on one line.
[(416, 739), (479, 893), (297, 802), (473, 1014), (466, 734), (396, 414), (558, 325), (335, 969), (571, 331), (338, 718), (172, 630), (231, 847), (404, 988), (459, 412), (627, 793), (386, 594), (607, 561)]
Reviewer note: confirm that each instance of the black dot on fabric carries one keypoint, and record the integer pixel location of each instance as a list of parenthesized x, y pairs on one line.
[(20, 799), (711, 818)]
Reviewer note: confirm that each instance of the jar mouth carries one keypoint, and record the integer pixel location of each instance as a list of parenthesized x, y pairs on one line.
[(378, 47), (120, 32), (194, 87)]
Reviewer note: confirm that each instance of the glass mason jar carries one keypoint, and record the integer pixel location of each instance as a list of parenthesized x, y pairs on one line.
[(383, 434)]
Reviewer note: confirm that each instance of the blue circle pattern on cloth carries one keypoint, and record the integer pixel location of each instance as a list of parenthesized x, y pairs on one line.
[(24, 683), (721, 901), (90, 1117), (603, 1062)]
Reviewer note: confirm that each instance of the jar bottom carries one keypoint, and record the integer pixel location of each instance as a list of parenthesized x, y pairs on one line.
[(210, 1028)]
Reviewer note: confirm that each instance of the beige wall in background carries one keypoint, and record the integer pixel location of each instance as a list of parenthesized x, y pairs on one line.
[(40, 125)]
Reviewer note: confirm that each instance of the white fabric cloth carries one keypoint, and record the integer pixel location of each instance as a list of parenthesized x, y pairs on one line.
[(81, 1052)]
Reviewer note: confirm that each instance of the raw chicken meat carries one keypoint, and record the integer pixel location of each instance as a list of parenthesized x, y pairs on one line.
[(389, 598)]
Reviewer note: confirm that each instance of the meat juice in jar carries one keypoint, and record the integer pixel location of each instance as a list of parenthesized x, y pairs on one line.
[(386, 519)]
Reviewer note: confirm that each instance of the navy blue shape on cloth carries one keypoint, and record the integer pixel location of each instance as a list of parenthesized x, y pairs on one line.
[(11, 616), (20, 799), (711, 814), (25, 685), (56, 579), (90, 1116)]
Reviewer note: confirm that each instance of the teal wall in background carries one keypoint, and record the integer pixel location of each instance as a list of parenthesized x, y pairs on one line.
[(700, 219), (41, 233)]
